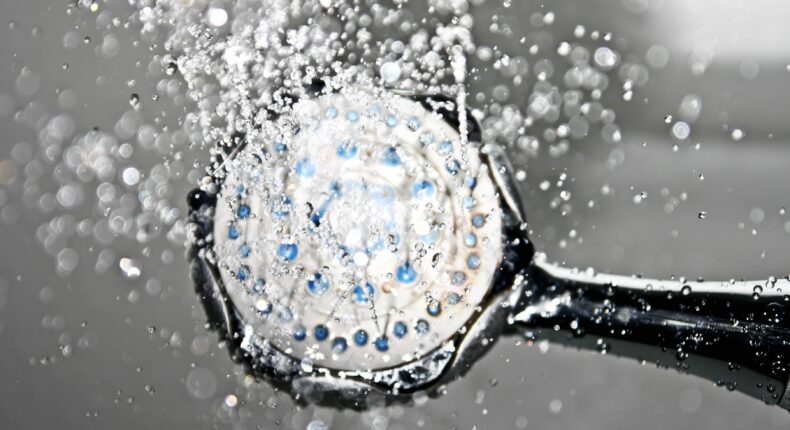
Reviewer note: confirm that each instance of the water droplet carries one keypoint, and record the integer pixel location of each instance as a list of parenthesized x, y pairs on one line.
[(130, 268), (606, 58), (216, 16), (306, 365), (231, 401), (681, 130), (555, 406), (390, 72), (775, 312), (317, 425), (201, 383), (602, 346)]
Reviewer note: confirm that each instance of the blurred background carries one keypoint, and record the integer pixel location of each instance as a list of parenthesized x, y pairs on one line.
[(100, 332)]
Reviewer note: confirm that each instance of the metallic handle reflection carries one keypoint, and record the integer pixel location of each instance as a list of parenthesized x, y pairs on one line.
[(733, 333)]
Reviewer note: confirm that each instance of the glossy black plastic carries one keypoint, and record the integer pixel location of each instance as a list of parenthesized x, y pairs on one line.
[(736, 338)]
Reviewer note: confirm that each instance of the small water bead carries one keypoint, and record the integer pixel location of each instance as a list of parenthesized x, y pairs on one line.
[(201, 383), (300, 333), (555, 406), (243, 212), (681, 130), (423, 189), (318, 284), (317, 425), (130, 176), (305, 168), (413, 124), (361, 337), (453, 298), (473, 261), (391, 157), (243, 273), (231, 401), (287, 251), (244, 250), (352, 116), (390, 72), (347, 149), (233, 232), (306, 365), (431, 238), (216, 16), (382, 343), (426, 138), (605, 57), (434, 308), (453, 166), (286, 315), (130, 267), (399, 329), (28, 81), (422, 327), (406, 273), (757, 291), (446, 147), (775, 312), (470, 240), (391, 121), (458, 278), (756, 215), (281, 207), (321, 332), (363, 295), (478, 220), (258, 286), (339, 345), (263, 307), (331, 112)]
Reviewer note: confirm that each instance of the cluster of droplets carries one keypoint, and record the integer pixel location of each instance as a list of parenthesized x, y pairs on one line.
[(231, 66), (242, 62), (357, 228)]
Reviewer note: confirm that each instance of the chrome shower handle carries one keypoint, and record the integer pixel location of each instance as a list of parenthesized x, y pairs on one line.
[(733, 333)]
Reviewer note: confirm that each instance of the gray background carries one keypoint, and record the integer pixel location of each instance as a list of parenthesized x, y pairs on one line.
[(102, 384)]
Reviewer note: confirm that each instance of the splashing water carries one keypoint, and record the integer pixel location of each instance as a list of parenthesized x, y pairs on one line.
[(235, 65), (227, 69)]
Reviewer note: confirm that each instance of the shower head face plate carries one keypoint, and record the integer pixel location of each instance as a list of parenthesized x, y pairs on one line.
[(359, 232)]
